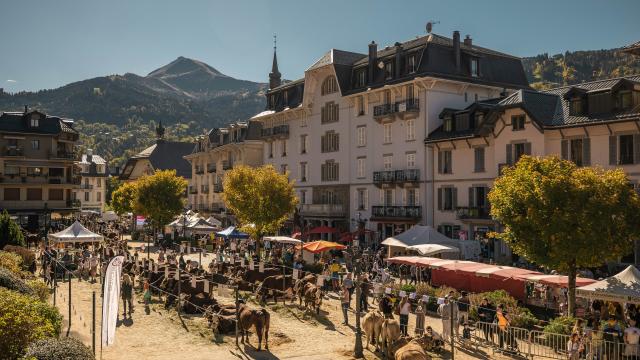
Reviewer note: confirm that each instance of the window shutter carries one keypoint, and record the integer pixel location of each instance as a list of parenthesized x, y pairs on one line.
[(366, 199), (454, 200), (439, 162), (564, 149), (527, 148), (586, 151), (509, 155), (439, 198), (636, 148), (471, 198), (613, 150)]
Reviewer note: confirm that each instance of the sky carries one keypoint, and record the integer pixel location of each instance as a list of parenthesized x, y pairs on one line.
[(46, 44)]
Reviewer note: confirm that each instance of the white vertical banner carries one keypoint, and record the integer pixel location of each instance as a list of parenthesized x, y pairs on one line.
[(110, 300)]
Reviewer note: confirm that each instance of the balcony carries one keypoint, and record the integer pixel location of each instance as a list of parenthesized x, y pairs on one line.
[(404, 109), (217, 188), (280, 131), (86, 186), (473, 213), (193, 190), (217, 207), (63, 155), (396, 212), (399, 177), (211, 168), (199, 170), (323, 210), (11, 151), (226, 165), (202, 207), (74, 203), (204, 189)]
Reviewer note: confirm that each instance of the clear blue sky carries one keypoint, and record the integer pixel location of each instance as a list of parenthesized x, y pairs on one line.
[(49, 43)]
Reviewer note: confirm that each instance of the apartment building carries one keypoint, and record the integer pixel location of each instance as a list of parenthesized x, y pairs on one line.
[(592, 124), (37, 171), (214, 154), (93, 182), (350, 132)]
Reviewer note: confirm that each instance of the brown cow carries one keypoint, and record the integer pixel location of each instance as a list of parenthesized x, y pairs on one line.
[(414, 350), (312, 297), (274, 286), (390, 333), (258, 319), (372, 325), (298, 288)]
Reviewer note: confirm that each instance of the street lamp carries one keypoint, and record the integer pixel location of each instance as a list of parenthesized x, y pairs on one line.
[(355, 256), (46, 223)]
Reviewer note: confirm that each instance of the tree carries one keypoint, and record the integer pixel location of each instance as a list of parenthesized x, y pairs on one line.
[(160, 197), (113, 184), (565, 217), (259, 196), (10, 232), (123, 199)]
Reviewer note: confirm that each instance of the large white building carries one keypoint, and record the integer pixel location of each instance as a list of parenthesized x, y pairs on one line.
[(351, 132), (93, 182)]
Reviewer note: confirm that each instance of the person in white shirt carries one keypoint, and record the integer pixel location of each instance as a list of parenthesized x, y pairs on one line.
[(631, 340)]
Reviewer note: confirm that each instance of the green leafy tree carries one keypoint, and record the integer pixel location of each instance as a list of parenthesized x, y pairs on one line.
[(113, 184), (160, 197), (10, 232), (565, 217), (259, 196), (123, 199)]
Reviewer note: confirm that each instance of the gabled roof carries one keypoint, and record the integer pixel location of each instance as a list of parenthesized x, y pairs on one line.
[(165, 155), (633, 49), (339, 57), (18, 122), (95, 159)]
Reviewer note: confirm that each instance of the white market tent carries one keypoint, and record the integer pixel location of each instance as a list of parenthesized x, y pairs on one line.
[(623, 287), (109, 216), (432, 249), (213, 221), (75, 233), (282, 239), (421, 236)]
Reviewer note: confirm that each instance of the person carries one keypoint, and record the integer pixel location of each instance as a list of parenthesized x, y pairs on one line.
[(596, 337), (405, 310), (161, 257), (486, 314), (413, 272), (463, 309), (181, 262), (348, 283), (385, 307), (365, 289), (344, 299), (444, 310), (420, 317), (334, 269), (146, 295), (573, 347), (578, 328), (126, 291), (503, 321), (631, 340), (466, 333), (436, 339)]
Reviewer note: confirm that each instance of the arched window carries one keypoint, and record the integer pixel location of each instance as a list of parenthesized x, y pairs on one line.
[(329, 85)]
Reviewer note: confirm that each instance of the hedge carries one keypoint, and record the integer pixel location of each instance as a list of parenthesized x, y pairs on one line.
[(11, 281), (28, 257), (56, 349)]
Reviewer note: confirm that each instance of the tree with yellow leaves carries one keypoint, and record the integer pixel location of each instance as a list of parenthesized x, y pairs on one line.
[(160, 197)]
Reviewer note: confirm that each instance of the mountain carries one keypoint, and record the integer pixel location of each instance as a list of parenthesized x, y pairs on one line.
[(180, 91), (547, 71)]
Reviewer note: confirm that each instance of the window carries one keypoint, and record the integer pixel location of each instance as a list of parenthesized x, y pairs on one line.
[(34, 171), (624, 99), (479, 117), (626, 149), (303, 197), (361, 132), (330, 142), (575, 106), (34, 194), (387, 133), (11, 170), (303, 172), (284, 168), (387, 97), (361, 167), (329, 113), (411, 63), (474, 67), (35, 122), (411, 129), (447, 198), (270, 144), (12, 194), (362, 199), (445, 165), (448, 124), (478, 197), (98, 182), (388, 70), (360, 105), (387, 160), (285, 97), (303, 121), (517, 122), (329, 171), (86, 196), (98, 196), (361, 77), (303, 144), (35, 144), (576, 151), (516, 150), (409, 92), (478, 155), (284, 147), (387, 197), (411, 197), (450, 231), (411, 160), (329, 85)]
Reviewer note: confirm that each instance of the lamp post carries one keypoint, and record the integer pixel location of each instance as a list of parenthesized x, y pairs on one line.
[(47, 221), (355, 256)]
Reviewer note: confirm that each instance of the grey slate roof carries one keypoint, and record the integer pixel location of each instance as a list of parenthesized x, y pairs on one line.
[(165, 155), (18, 122)]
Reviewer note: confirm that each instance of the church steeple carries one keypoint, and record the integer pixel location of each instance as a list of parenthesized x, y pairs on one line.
[(274, 75)]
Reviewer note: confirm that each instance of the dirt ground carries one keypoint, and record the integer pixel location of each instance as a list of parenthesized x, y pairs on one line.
[(162, 334)]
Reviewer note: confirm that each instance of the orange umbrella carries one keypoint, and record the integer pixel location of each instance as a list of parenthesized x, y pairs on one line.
[(321, 245)]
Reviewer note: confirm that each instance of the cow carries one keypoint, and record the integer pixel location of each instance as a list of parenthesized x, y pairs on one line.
[(274, 286), (254, 318), (413, 350), (312, 297), (372, 325), (253, 276), (390, 333), (298, 288)]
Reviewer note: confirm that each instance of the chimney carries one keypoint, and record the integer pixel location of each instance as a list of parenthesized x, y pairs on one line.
[(467, 41), (373, 55), (398, 59), (456, 49)]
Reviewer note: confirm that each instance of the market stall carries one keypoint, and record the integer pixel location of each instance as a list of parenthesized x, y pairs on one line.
[(426, 240), (76, 233), (623, 287)]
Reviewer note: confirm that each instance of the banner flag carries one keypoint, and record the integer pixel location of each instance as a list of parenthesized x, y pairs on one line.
[(110, 300)]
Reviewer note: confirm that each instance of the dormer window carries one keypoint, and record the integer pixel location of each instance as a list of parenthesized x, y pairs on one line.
[(474, 67), (624, 99), (388, 70), (35, 121), (285, 97), (575, 106), (411, 63), (329, 85), (448, 124), (479, 118), (361, 78)]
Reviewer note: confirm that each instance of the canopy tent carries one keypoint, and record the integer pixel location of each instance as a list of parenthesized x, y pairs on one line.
[(321, 245), (623, 287), (232, 233), (75, 233), (213, 221), (109, 216), (282, 239), (419, 235), (556, 280), (433, 249)]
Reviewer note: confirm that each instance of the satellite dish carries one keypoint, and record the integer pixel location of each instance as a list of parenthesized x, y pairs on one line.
[(381, 65)]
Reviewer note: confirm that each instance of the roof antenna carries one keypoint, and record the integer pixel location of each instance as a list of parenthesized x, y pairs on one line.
[(430, 25)]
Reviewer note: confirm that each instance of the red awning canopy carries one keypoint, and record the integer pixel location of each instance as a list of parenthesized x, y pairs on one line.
[(556, 280)]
